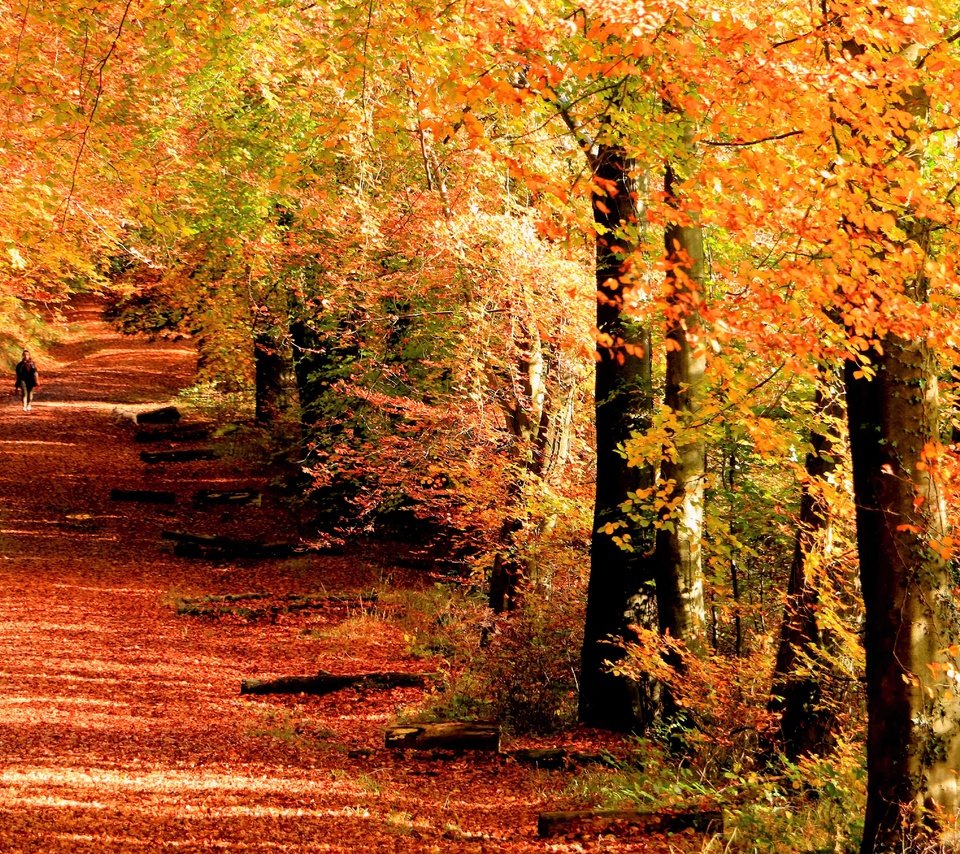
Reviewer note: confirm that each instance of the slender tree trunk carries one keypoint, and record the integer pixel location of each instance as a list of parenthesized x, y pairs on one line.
[(271, 369), (734, 562), (540, 417), (506, 574), (912, 619), (619, 592), (680, 582), (806, 726)]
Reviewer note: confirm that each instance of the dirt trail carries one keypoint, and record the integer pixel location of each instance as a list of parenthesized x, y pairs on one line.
[(121, 727)]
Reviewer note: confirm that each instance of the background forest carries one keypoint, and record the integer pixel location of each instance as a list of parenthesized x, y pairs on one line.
[(640, 319)]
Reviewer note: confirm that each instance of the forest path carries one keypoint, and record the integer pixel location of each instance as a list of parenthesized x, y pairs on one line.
[(121, 725)]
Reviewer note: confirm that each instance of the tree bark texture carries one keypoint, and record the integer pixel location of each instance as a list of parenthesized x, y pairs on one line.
[(620, 590), (680, 582), (322, 356), (912, 620)]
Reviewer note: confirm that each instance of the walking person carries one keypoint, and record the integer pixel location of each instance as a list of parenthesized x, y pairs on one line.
[(28, 379)]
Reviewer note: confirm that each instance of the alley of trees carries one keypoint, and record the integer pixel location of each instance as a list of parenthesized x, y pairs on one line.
[(639, 318)]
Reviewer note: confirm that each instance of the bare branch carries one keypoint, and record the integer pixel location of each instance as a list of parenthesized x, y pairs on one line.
[(744, 143), (807, 34)]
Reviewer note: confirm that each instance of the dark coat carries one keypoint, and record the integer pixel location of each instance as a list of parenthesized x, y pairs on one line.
[(27, 374)]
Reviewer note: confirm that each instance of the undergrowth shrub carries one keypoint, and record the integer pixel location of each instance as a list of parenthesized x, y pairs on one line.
[(724, 699), (529, 668), (814, 806), (519, 668), (149, 310)]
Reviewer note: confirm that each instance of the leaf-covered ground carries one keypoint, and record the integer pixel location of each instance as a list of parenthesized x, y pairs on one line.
[(121, 723)]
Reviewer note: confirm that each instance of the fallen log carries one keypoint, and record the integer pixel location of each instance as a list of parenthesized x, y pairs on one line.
[(213, 547), (218, 606), (144, 496), (558, 757), (162, 415), (451, 735), (326, 683), (551, 757), (648, 821), (177, 433), (179, 456), (213, 606), (234, 496)]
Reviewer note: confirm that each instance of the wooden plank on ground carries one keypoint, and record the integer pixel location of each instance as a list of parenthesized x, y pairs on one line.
[(184, 455), (647, 821), (161, 415), (233, 496), (175, 433), (144, 496), (216, 547), (450, 735), (558, 757), (326, 683)]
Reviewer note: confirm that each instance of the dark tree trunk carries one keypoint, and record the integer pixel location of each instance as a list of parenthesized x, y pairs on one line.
[(620, 591), (912, 622), (307, 369), (806, 724), (325, 351), (506, 575), (911, 615), (271, 369)]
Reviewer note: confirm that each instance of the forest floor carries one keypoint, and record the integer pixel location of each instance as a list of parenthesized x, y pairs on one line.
[(121, 723)]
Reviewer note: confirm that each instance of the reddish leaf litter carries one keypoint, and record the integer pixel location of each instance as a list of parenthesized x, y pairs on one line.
[(121, 723)]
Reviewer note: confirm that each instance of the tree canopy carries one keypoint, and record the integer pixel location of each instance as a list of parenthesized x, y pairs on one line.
[(655, 302)]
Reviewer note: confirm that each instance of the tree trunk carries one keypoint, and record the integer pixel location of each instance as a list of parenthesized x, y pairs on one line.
[(307, 364), (271, 368), (619, 593), (912, 620), (506, 574), (680, 582), (806, 726), (539, 418), (323, 355)]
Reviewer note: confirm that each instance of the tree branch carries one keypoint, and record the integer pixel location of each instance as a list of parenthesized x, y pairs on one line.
[(93, 111), (807, 34), (744, 143)]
